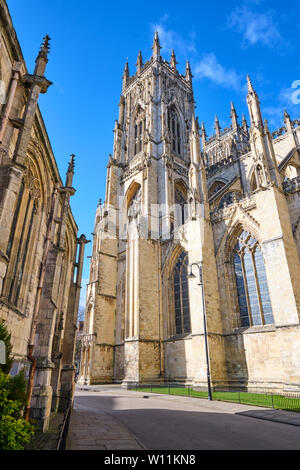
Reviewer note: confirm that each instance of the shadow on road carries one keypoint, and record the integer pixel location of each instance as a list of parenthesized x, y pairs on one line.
[(160, 425)]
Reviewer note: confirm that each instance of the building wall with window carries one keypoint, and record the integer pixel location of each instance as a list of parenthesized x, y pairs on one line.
[(177, 200), (40, 269)]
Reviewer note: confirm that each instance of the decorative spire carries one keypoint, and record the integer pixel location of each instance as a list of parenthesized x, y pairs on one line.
[(266, 126), (287, 121), (45, 48), (42, 58), (188, 72), (250, 87), (156, 46), (234, 116), (70, 172), (125, 75), (194, 140), (203, 133), (244, 124), (217, 126), (139, 63), (254, 106), (173, 61)]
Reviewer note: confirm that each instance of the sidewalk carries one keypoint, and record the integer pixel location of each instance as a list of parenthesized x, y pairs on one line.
[(98, 431), (93, 427)]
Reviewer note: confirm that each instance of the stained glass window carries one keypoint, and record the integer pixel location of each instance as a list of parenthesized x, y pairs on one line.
[(251, 282), (181, 295)]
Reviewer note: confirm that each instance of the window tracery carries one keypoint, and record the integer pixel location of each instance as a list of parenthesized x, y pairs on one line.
[(251, 282)]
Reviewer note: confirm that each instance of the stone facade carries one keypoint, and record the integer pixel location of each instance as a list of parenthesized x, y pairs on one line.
[(229, 203), (40, 270)]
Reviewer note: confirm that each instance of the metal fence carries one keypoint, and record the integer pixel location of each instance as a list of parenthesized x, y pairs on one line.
[(257, 397), (64, 426)]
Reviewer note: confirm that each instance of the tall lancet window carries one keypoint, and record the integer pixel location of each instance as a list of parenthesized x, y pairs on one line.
[(251, 282), (174, 129), (181, 295), (139, 130), (181, 206)]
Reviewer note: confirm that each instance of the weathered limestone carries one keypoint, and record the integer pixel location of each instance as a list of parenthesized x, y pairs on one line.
[(38, 234), (169, 205)]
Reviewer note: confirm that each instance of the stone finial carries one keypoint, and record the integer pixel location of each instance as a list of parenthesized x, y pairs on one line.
[(266, 126), (249, 84), (188, 72), (44, 49), (287, 121), (217, 126), (233, 116), (173, 61), (42, 58), (203, 132), (244, 123), (125, 75), (70, 172), (156, 46), (139, 64)]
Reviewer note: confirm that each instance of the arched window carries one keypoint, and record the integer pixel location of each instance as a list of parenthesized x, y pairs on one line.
[(181, 206), (227, 199), (215, 187), (139, 129), (181, 295), (251, 282), (174, 129)]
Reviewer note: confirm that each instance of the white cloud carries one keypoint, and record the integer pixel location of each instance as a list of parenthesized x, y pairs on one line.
[(170, 39), (284, 100), (255, 27), (210, 68)]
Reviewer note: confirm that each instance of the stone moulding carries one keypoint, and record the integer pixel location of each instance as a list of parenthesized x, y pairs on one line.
[(141, 165)]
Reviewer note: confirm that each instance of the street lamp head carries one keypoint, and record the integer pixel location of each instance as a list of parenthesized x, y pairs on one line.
[(191, 274)]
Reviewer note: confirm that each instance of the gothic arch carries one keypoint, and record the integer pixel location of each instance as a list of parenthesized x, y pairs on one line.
[(137, 129), (229, 241), (176, 127), (215, 185), (131, 191), (168, 289)]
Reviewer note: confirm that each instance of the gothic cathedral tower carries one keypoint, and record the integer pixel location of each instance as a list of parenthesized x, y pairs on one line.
[(144, 320)]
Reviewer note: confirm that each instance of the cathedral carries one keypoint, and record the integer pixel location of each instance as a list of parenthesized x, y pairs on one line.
[(180, 204), (41, 255)]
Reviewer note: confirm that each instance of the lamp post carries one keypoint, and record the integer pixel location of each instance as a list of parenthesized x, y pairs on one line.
[(192, 276)]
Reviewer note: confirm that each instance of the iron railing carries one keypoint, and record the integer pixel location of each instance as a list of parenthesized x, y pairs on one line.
[(255, 396), (64, 426)]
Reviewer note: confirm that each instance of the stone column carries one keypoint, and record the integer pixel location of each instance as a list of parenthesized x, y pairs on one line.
[(69, 340)]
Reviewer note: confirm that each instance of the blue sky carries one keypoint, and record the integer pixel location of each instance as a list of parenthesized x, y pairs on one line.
[(91, 41)]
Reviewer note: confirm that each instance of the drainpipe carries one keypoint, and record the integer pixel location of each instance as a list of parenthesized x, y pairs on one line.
[(49, 238)]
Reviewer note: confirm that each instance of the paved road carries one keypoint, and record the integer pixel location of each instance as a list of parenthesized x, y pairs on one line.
[(118, 419)]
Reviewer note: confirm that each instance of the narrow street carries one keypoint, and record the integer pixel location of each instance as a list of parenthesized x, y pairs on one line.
[(108, 417)]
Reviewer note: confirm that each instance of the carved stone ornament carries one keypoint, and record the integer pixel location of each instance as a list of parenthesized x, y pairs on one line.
[(31, 182)]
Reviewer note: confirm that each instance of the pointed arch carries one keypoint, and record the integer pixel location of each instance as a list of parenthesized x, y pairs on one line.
[(216, 185), (138, 128), (245, 256), (180, 197), (175, 128)]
